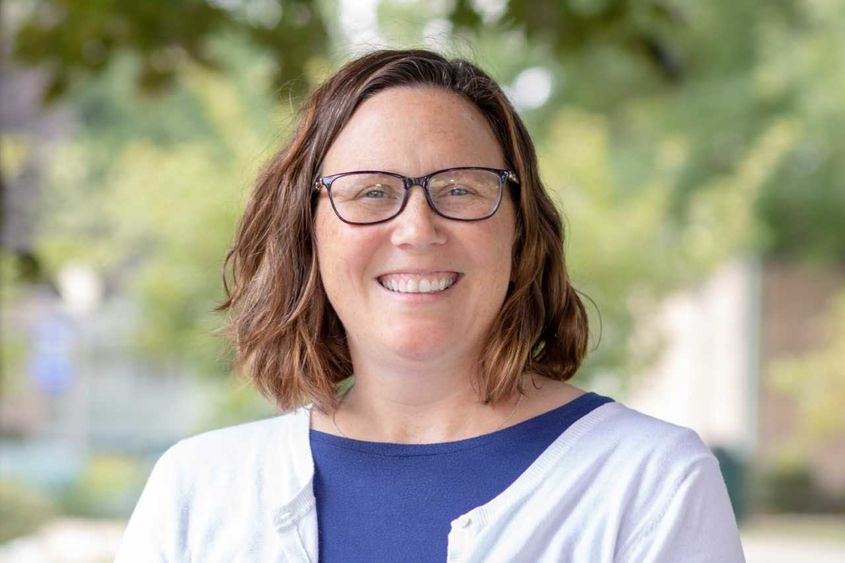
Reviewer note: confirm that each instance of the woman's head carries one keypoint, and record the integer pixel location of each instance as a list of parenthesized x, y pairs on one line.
[(289, 337), (383, 279)]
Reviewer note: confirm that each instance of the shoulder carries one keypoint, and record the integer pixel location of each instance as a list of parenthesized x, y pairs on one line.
[(256, 467), (659, 481), (630, 457), (617, 429), (629, 486), (241, 453), (648, 463), (667, 488), (243, 439)]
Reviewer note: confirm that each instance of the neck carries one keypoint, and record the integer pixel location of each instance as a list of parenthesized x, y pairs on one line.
[(417, 402), (386, 421)]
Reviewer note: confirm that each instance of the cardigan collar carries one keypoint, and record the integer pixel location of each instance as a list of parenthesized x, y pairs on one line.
[(296, 468)]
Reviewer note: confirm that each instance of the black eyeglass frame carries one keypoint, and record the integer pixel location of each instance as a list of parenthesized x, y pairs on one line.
[(422, 181)]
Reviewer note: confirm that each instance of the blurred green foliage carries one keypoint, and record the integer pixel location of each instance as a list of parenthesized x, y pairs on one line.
[(677, 135), (625, 250), (815, 382), (151, 190), (108, 487), (73, 39), (790, 488), (23, 509)]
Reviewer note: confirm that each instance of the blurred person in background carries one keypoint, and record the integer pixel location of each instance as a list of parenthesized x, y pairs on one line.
[(398, 287)]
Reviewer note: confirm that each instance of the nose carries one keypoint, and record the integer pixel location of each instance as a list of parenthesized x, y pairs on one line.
[(418, 226)]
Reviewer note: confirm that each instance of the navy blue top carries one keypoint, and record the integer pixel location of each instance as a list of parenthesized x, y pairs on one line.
[(380, 501)]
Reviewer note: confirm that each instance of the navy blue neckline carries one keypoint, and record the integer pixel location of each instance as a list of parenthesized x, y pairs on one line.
[(510, 433)]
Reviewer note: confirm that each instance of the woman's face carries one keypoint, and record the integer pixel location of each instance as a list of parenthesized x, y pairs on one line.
[(415, 131)]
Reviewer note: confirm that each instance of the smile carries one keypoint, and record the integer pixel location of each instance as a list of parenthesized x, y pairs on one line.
[(418, 283)]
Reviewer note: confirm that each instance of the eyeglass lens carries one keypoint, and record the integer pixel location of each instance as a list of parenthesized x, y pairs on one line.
[(458, 194)]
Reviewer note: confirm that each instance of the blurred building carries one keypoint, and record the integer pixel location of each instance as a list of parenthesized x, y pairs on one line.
[(795, 303), (724, 339)]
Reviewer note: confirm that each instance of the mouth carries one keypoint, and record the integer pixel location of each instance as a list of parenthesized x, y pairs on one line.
[(434, 282)]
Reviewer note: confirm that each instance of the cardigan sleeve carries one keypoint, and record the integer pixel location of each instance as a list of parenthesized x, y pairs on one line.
[(695, 524), (156, 530)]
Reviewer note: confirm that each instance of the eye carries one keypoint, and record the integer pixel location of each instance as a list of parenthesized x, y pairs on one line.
[(458, 191), (373, 193)]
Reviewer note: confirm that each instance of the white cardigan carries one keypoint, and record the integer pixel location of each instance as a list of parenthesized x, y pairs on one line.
[(616, 486)]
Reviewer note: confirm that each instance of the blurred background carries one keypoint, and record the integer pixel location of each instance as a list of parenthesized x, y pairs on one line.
[(697, 151)]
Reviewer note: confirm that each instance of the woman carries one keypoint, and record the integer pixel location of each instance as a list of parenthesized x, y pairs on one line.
[(403, 236)]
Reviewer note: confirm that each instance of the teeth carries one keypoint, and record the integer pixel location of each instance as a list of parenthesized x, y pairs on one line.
[(419, 285)]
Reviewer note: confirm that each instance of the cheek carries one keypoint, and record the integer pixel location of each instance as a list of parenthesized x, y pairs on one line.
[(504, 235), (343, 254), (328, 256)]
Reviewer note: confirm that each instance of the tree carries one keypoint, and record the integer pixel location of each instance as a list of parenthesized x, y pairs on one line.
[(74, 40), (661, 173), (148, 192), (717, 73)]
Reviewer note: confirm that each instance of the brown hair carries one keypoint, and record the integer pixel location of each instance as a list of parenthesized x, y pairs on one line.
[(287, 337)]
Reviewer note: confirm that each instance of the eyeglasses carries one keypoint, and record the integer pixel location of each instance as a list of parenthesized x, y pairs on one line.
[(463, 194)]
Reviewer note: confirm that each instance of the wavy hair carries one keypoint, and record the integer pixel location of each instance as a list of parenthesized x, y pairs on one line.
[(288, 339)]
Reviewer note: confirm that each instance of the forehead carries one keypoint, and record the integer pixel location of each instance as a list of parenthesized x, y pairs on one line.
[(413, 131)]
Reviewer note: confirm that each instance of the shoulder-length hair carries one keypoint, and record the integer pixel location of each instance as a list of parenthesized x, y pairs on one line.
[(286, 335)]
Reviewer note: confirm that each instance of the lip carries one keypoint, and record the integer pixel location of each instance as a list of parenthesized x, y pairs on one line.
[(414, 272)]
